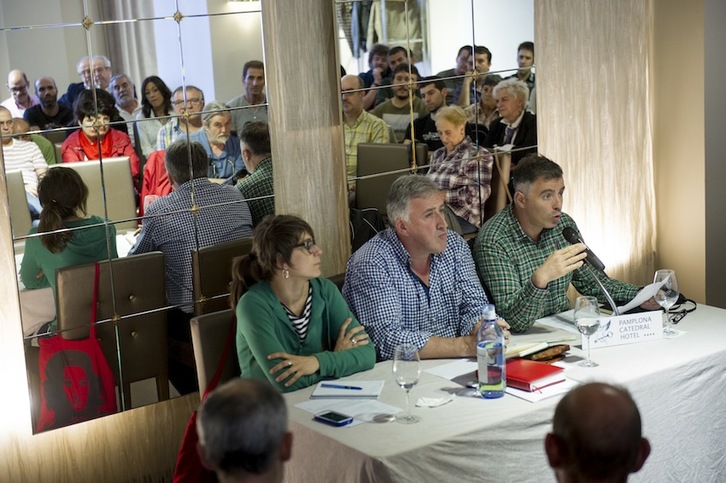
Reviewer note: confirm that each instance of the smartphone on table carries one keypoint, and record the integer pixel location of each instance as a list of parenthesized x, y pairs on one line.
[(334, 418)]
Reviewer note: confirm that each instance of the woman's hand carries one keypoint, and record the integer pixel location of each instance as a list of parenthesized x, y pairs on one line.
[(350, 339), (291, 367)]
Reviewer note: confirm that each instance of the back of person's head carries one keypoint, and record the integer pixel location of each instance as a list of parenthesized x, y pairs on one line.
[(531, 168), (596, 435), (256, 137), (163, 90), (242, 428), (453, 114), (437, 81), (513, 87), (273, 242), (63, 194), (401, 192), (21, 128), (89, 105), (186, 160)]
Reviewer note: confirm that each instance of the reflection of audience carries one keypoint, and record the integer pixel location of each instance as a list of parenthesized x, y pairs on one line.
[(96, 138), (461, 169), (19, 99), (396, 55), (293, 326), (23, 156), (49, 114), (596, 436), (21, 129), (95, 73), (396, 111), (243, 433), (525, 61), (484, 111), (255, 138), (155, 106), (378, 75), (515, 126), (189, 100), (470, 89), (124, 91), (253, 79), (217, 139), (454, 77)]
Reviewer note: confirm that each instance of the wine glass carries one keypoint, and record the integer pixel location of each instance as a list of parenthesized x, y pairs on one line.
[(406, 372), (666, 297), (587, 320)]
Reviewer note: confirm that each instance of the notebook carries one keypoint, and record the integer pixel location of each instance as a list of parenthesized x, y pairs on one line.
[(347, 390), (532, 375)]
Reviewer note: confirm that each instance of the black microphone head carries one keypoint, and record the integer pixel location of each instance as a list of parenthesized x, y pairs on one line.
[(571, 235)]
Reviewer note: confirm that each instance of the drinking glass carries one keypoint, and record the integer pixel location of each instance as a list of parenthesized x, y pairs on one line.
[(666, 297), (587, 320), (406, 372)]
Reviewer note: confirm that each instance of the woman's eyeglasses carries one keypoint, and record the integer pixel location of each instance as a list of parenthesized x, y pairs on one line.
[(308, 245)]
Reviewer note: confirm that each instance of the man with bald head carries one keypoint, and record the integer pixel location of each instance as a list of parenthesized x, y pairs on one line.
[(596, 436), (19, 99), (49, 114)]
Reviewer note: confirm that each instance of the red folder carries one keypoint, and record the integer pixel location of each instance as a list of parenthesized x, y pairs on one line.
[(532, 375)]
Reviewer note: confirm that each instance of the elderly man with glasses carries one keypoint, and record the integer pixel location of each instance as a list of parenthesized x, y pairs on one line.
[(94, 72), (188, 103)]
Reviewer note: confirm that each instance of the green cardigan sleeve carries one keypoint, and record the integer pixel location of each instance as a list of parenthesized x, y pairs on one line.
[(30, 267)]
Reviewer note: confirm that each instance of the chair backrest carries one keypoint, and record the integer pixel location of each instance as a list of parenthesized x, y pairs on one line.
[(210, 333), (212, 274), (18, 203), (381, 158), (500, 195), (138, 288), (119, 189), (56, 137)]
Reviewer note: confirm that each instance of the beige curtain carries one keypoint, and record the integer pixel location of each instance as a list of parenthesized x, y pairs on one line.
[(594, 90)]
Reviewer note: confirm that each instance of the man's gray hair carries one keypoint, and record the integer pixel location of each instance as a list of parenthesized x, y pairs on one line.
[(405, 188), (241, 425), (513, 87), (186, 160), (214, 108)]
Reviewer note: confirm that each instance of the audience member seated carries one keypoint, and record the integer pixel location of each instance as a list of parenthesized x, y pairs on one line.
[(470, 88), (19, 99), (95, 73), (515, 126), (155, 109), (379, 74), (255, 137), (396, 56), (188, 103), (415, 282), (485, 111), (63, 196), (453, 78), (96, 138), (23, 156), (525, 61), (21, 129), (253, 79), (48, 114), (243, 434), (156, 181), (360, 126), (293, 325), (520, 256), (396, 111), (222, 216), (124, 91), (217, 139), (461, 169), (596, 436)]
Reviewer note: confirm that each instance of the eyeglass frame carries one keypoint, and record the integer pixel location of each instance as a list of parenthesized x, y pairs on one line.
[(309, 245)]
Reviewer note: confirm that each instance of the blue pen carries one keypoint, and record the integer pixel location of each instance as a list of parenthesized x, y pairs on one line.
[(339, 386)]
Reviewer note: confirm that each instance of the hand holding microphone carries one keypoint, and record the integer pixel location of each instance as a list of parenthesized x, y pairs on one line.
[(573, 237)]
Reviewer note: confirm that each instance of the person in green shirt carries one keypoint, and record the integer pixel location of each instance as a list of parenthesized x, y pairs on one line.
[(293, 326)]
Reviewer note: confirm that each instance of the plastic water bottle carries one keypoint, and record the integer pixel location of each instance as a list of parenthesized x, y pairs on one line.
[(490, 356)]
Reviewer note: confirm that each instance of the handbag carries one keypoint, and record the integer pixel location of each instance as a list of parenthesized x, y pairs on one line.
[(189, 467), (76, 383)]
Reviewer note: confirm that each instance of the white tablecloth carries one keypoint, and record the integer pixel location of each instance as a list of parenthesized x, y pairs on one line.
[(677, 383)]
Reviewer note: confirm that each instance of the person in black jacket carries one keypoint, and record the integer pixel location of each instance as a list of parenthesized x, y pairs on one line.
[(515, 126)]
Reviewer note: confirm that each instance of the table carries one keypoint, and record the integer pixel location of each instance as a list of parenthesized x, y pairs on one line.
[(677, 383)]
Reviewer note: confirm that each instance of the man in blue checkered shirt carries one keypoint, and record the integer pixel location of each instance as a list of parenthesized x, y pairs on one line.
[(415, 283)]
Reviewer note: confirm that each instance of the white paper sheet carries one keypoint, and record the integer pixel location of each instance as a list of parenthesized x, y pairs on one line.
[(643, 295), (454, 369), (362, 410)]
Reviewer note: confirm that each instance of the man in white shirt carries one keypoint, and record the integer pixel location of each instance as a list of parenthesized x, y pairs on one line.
[(20, 99), (123, 91)]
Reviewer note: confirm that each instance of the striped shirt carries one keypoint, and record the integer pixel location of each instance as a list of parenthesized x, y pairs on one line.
[(301, 322), (26, 157)]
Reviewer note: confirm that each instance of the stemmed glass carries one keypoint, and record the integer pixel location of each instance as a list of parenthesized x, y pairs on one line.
[(406, 372), (666, 297), (587, 320)]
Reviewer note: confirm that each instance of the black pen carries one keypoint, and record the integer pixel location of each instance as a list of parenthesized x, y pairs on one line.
[(339, 386)]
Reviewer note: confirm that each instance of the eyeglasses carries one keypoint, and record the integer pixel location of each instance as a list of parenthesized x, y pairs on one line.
[(188, 101), (8, 123), (308, 245)]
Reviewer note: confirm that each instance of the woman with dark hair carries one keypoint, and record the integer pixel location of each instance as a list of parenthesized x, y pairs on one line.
[(96, 139), (293, 326), (63, 196), (155, 109)]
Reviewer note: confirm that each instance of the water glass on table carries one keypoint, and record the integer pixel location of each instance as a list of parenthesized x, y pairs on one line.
[(587, 313), (406, 373)]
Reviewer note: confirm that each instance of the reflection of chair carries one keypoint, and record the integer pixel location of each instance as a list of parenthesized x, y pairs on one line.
[(18, 204), (138, 288), (210, 333), (382, 158), (212, 274), (500, 194), (118, 185)]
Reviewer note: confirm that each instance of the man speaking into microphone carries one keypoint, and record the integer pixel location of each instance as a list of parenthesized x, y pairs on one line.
[(525, 261)]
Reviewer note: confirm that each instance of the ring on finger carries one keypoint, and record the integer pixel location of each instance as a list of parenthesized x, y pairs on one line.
[(353, 341), (289, 363)]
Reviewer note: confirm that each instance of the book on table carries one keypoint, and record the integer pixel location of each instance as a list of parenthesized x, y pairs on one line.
[(532, 375), (334, 389)]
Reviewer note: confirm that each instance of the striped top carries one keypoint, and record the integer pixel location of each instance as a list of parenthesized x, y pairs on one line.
[(301, 323)]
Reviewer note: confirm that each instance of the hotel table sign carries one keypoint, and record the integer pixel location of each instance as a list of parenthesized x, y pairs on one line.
[(626, 329)]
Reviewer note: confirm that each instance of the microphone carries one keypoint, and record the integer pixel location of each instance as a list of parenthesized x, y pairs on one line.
[(573, 237), (232, 180)]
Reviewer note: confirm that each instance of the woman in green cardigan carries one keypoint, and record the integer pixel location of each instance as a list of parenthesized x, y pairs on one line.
[(293, 326)]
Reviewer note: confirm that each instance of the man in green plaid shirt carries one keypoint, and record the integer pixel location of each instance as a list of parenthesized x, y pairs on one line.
[(523, 259), (255, 137)]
